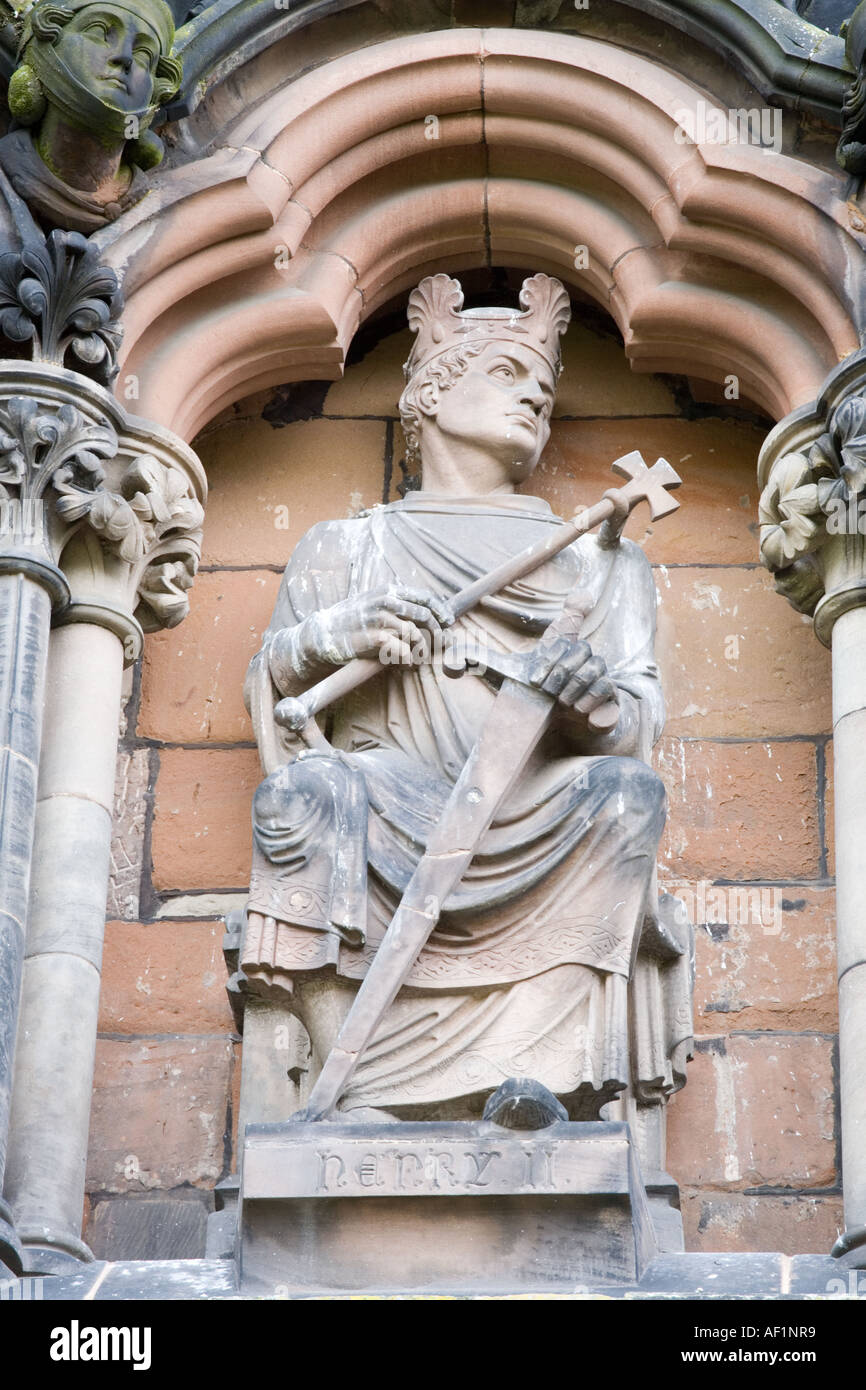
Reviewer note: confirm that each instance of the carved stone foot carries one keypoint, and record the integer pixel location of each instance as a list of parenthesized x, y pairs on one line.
[(523, 1104)]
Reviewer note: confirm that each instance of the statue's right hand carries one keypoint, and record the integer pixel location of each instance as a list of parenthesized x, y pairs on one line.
[(402, 620)]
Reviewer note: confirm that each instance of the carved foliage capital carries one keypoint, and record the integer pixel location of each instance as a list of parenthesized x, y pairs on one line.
[(152, 523), (812, 510), (69, 473)]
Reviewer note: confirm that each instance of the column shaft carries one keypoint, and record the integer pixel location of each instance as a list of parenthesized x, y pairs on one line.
[(849, 755), (60, 997), (25, 616)]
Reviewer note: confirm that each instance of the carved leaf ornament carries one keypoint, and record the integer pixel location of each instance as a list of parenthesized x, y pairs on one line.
[(802, 492), (788, 512), (58, 298), (39, 448)]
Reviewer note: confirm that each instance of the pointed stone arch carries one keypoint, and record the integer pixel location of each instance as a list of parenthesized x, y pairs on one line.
[(256, 264)]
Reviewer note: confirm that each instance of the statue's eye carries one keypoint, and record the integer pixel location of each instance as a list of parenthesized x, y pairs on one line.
[(98, 26), (503, 371), (144, 54)]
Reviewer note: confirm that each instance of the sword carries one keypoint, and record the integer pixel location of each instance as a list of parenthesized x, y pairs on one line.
[(516, 722)]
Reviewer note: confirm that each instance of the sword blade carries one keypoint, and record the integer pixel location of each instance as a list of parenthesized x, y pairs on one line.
[(511, 731)]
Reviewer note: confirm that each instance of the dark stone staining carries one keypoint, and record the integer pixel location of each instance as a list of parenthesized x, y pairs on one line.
[(150, 1227), (300, 400)]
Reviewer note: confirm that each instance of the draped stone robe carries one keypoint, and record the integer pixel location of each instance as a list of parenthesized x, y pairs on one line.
[(526, 971)]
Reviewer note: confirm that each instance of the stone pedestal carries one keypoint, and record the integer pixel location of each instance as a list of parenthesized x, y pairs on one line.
[(451, 1208)]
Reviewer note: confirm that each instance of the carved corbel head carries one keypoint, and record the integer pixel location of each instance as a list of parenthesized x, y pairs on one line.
[(100, 66)]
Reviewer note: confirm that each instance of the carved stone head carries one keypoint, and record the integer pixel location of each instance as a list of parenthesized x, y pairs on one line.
[(506, 362), (105, 66)]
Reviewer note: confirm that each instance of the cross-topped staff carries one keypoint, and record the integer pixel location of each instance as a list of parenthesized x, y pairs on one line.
[(298, 713), (519, 716)]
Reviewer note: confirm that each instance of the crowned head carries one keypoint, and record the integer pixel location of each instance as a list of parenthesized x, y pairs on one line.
[(440, 323), (483, 379)]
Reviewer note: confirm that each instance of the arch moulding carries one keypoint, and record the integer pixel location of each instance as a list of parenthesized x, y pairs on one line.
[(255, 264)]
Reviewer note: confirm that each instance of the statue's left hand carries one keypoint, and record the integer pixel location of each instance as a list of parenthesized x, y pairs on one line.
[(570, 671)]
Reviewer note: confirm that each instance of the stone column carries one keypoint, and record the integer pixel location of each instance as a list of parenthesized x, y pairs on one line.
[(813, 538), (129, 554), (29, 585), (120, 508)]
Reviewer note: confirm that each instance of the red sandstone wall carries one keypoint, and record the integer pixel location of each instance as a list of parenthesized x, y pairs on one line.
[(745, 757)]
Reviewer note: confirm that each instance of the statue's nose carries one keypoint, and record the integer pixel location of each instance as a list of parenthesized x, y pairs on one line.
[(122, 56), (533, 395)]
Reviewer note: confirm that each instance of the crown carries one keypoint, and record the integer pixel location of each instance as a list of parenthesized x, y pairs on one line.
[(436, 315)]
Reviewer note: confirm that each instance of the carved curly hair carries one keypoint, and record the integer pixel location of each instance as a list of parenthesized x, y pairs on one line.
[(426, 386)]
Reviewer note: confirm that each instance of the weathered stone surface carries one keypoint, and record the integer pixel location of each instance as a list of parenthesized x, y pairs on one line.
[(201, 834), (714, 458), (164, 977), (739, 806), (736, 661), (236, 1104), (772, 964), (367, 388), (257, 525), (794, 1225), (597, 379), (159, 1113), (128, 831), (758, 1111), (146, 1279), (148, 1227), (202, 905), (192, 676)]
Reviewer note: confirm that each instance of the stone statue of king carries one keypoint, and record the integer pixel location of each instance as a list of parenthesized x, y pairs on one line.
[(551, 964)]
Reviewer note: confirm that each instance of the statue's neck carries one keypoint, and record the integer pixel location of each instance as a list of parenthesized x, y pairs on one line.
[(97, 168), (462, 472)]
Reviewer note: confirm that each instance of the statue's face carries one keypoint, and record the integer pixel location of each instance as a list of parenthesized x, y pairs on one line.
[(113, 54), (502, 403)]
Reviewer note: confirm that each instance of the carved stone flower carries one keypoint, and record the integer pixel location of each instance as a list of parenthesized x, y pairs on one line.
[(848, 432), (789, 512)]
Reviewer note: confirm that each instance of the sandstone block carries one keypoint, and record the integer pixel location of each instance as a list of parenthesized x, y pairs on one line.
[(258, 510), (164, 977), (795, 1225), (771, 964), (715, 459), (739, 808), (734, 659), (201, 827), (159, 1113), (757, 1111), (193, 675), (149, 1227)]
